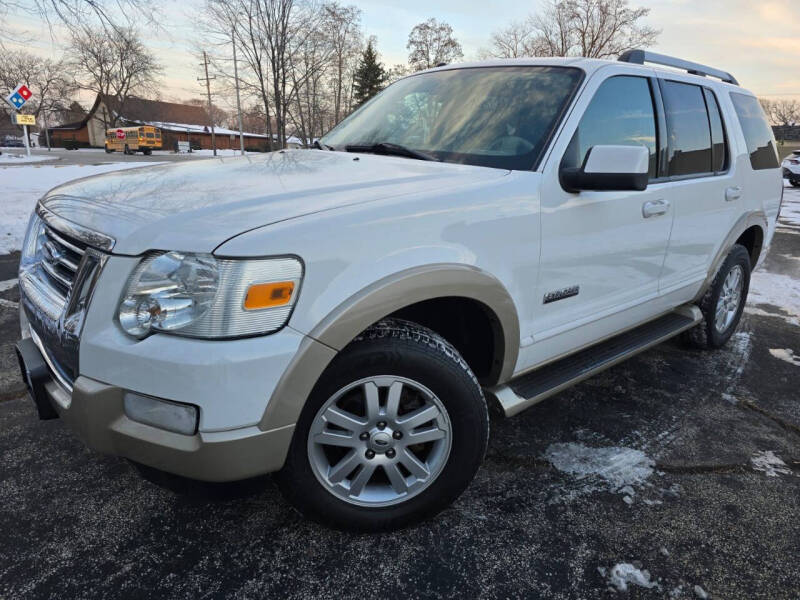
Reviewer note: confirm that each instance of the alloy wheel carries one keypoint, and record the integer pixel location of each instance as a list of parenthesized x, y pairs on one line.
[(379, 441)]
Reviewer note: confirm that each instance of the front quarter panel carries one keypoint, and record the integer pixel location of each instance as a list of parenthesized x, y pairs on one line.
[(489, 229)]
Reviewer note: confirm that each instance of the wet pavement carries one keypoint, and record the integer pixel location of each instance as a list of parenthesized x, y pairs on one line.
[(675, 474)]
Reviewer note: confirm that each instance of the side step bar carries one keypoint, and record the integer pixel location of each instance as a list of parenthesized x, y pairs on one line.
[(533, 387)]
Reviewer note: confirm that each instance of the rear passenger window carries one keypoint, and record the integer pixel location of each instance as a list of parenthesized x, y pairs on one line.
[(757, 133), (621, 113), (689, 137), (719, 150)]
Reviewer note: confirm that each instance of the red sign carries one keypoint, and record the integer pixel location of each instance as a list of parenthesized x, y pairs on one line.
[(24, 91), (120, 134)]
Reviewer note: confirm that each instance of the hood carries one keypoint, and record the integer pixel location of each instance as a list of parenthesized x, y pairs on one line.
[(194, 206)]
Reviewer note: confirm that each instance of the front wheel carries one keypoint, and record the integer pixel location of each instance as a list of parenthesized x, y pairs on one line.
[(392, 433), (723, 303), (794, 182)]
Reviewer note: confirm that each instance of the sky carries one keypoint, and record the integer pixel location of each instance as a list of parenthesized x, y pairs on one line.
[(757, 41)]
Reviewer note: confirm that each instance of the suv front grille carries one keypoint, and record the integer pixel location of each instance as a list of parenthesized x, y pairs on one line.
[(61, 257), (58, 272)]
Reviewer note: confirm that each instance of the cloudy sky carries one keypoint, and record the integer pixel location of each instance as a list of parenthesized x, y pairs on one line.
[(757, 41)]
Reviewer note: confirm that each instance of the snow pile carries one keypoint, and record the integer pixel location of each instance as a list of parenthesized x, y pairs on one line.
[(21, 187), (610, 468), (785, 354), (766, 462), (776, 290), (623, 574)]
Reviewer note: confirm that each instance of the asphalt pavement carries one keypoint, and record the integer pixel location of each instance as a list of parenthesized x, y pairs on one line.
[(673, 475)]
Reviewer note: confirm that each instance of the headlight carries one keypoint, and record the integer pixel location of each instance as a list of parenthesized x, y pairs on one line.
[(199, 295), (34, 240)]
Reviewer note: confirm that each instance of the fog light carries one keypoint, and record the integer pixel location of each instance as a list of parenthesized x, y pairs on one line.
[(164, 414)]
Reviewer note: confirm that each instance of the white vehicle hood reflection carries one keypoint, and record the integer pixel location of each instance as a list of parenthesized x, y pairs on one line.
[(198, 205)]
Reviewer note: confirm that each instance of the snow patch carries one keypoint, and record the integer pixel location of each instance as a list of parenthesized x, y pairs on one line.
[(623, 574), (789, 217), (611, 469), (785, 354), (700, 592), (23, 159), (8, 284), (766, 462), (23, 186), (776, 290)]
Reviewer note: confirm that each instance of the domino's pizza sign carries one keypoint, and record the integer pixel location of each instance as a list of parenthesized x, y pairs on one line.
[(19, 96)]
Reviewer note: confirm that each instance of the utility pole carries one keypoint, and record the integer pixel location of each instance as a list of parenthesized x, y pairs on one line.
[(238, 99), (208, 79)]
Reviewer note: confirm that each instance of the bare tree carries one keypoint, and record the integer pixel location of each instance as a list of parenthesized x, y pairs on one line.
[(591, 28), (80, 13), (115, 67), (513, 41), (432, 43), (782, 111), (343, 28), (49, 80)]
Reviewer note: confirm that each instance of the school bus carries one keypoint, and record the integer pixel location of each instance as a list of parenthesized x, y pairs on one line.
[(133, 139)]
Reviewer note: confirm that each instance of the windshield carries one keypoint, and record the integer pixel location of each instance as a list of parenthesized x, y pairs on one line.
[(488, 116)]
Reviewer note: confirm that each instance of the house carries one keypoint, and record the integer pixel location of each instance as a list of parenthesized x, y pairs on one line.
[(178, 122)]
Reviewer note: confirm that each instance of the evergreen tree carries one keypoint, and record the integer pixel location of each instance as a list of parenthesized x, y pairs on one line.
[(370, 77)]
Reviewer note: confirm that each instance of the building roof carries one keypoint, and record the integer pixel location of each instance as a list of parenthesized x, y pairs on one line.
[(139, 109)]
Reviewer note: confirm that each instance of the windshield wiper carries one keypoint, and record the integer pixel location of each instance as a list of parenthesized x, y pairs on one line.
[(320, 146), (390, 149)]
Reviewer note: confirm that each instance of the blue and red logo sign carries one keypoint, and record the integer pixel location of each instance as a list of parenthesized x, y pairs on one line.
[(19, 96)]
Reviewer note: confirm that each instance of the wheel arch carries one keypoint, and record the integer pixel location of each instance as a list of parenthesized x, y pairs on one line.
[(750, 230), (391, 296)]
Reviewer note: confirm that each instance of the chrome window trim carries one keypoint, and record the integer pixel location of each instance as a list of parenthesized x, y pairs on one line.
[(91, 237)]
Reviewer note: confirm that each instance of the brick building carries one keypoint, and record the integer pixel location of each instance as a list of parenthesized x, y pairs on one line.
[(178, 122)]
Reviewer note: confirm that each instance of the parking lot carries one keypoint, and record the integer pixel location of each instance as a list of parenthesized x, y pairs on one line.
[(675, 474)]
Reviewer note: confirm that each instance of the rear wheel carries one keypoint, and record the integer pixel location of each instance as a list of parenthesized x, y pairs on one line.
[(723, 303), (393, 432)]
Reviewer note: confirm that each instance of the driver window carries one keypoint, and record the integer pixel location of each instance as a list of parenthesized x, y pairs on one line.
[(621, 114)]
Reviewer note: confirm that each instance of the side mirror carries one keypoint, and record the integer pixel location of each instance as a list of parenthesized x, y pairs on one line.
[(609, 168)]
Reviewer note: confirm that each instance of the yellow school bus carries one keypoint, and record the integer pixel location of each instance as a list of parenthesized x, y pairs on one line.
[(133, 139)]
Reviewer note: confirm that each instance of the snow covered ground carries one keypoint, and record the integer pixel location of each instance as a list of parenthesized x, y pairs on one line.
[(21, 187), (16, 157)]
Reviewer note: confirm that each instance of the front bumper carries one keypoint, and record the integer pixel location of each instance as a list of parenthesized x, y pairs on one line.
[(791, 172), (95, 412)]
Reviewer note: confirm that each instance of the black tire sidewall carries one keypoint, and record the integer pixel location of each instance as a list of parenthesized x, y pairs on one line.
[(737, 256), (455, 387)]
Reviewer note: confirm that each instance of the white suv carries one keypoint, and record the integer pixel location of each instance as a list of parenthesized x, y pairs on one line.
[(489, 232)]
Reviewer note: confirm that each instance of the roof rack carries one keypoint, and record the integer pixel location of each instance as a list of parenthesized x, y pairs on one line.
[(640, 57)]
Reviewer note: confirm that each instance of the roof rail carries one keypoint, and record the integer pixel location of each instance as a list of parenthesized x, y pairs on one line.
[(640, 57)]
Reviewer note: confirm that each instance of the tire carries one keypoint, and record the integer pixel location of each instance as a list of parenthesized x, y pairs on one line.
[(147, 151), (392, 355), (712, 333), (108, 151), (794, 182)]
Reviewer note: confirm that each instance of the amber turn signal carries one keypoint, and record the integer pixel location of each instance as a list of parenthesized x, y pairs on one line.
[(268, 295)]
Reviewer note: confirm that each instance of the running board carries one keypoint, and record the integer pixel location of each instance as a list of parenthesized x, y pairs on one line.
[(533, 387)]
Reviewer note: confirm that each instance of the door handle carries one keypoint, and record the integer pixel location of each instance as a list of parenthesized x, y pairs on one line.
[(733, 193), (653, 208)]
